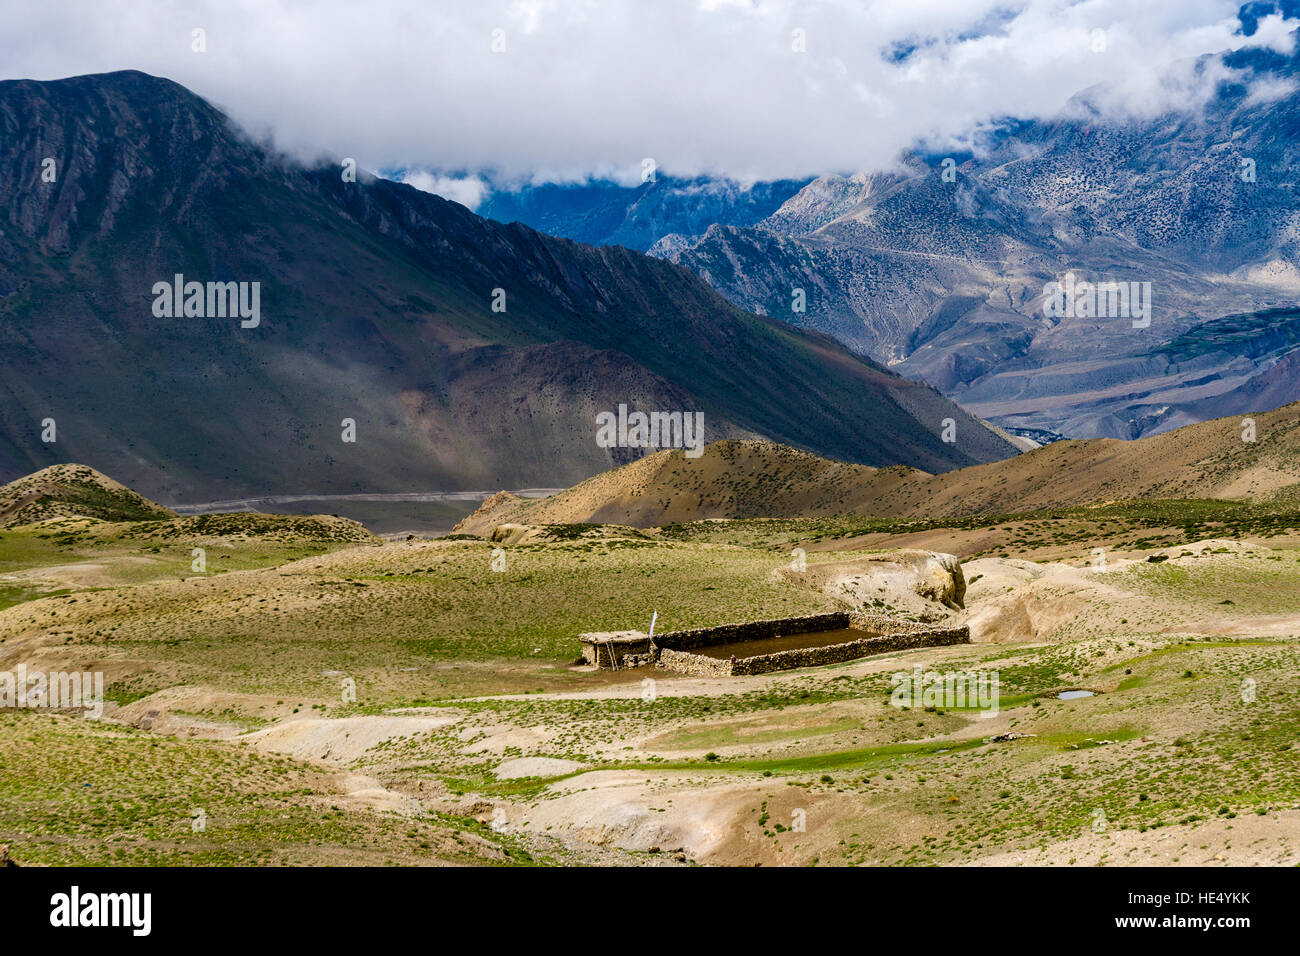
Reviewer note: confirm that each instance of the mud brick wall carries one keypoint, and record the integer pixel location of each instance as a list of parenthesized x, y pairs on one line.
[(619, 651)]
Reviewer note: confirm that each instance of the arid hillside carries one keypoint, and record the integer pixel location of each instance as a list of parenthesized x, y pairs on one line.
[(73, 491), (745, 479), (465, 353)]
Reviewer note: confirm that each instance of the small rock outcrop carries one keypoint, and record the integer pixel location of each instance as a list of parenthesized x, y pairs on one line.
[(512, 533), (927, 585)]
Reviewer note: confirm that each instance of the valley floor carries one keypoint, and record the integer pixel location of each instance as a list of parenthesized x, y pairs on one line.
[(232, 735)]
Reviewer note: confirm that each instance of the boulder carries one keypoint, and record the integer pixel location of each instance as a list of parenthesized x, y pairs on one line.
[(942, 580)]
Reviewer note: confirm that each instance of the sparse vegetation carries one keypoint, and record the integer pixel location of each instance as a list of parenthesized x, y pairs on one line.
[(464, 671)]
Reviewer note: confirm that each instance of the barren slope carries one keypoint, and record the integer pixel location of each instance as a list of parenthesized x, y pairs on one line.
[(73, 491), (738, 479)]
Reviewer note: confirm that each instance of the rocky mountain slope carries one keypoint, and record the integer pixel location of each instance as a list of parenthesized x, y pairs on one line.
[(742, 479), (942, 277), (944, 280), (458, 352), (606, 213)]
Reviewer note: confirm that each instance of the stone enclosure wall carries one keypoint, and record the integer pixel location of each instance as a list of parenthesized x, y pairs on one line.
[(851, 650), (754, 630), (672, 650), (694, 665)]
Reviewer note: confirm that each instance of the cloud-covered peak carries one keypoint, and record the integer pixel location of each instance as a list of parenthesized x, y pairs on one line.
[(567, 89)]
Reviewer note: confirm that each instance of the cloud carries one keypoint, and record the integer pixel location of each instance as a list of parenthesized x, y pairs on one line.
[(580, 88), (468, 191)]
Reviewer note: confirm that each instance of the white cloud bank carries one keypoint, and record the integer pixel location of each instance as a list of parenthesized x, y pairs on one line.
[(468, 190), (583, 87)]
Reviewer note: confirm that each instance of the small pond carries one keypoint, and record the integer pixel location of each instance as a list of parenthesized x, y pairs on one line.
[(782, 642)]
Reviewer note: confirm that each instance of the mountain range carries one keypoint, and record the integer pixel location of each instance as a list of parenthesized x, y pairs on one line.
[(606, 213), (939, 268), (456, 352)]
